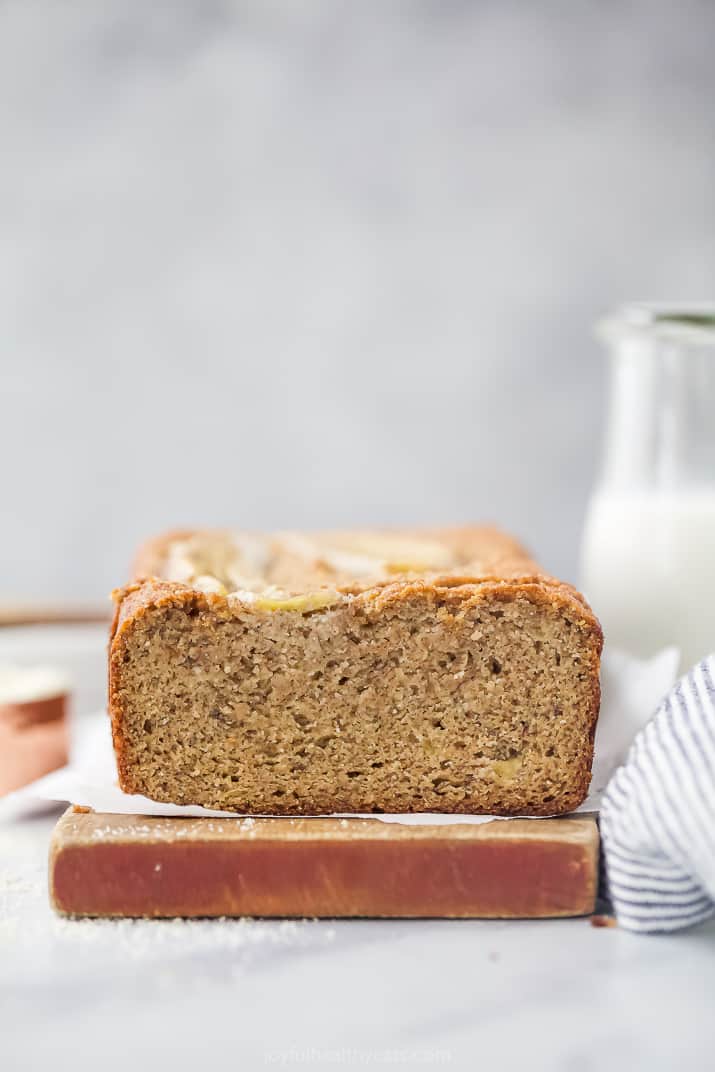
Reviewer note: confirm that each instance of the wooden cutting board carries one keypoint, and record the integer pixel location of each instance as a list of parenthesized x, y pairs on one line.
[(127, 865)]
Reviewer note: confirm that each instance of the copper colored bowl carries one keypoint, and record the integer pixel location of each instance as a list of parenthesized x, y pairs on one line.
[(34, 740)]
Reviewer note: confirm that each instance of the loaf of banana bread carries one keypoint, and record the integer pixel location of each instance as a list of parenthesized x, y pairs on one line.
[(398, 671)]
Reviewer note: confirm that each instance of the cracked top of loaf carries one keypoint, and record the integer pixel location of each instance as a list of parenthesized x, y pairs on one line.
[(308, 571)]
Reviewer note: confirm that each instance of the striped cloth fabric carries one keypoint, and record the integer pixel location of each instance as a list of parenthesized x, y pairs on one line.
[(658, 814)]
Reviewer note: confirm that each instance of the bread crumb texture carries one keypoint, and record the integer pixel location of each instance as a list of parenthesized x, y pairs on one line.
[(434, 671)]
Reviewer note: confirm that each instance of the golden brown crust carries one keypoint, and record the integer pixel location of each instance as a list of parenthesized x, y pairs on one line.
[(151, 554), (505, 559), (487, 545)]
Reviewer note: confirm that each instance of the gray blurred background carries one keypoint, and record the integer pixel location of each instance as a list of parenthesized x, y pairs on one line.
[(314, 264)]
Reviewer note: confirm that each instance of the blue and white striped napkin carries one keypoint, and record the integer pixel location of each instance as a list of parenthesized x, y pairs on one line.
[(658, 814)]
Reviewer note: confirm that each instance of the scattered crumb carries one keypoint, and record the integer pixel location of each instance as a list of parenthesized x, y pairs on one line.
[(603, 921), (15, 884)]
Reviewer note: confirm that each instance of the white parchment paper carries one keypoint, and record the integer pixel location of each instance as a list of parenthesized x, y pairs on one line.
[(631, 691)]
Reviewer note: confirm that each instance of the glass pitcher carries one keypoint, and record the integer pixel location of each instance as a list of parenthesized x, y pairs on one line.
[(648, 557)]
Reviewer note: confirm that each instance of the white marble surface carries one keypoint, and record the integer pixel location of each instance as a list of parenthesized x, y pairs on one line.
[(551, 995)]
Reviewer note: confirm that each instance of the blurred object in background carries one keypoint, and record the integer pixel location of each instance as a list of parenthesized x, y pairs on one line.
[(78, 651), (649, 542), (301, 265), (38, 614), (34, 729)]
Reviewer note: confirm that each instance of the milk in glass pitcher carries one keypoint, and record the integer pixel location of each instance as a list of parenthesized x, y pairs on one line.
[(648, 565)]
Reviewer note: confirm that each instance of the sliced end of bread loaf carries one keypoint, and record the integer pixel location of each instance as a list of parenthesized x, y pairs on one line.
[(442, 694)]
